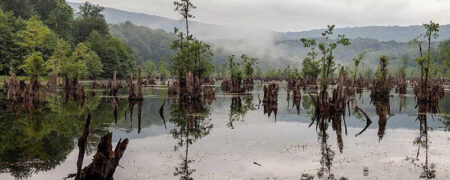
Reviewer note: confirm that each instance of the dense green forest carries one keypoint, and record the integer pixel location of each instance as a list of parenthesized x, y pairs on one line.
[(146, 43), (69, 44), (54, 32)]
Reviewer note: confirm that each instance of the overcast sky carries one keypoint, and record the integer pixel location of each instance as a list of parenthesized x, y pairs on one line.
[(296, 15)]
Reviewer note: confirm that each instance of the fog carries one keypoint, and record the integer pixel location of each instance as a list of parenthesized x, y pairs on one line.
[(296, 15)]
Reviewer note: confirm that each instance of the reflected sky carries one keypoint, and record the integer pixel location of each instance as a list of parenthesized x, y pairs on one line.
[(240, 136)]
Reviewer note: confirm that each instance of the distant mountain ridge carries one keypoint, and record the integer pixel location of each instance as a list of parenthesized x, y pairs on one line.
[(382, 33)]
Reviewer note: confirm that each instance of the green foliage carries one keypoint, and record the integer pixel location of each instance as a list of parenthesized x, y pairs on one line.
[(89, 18), (259, 73), (444, 56), (248, 66), (57, 15), (200, 58), (146, 43), (149, 68), (162, 69), (235, 69), (432, 31), (114, 55), (326, 48), (57, 62), (11, 53), (184, 7), (191, 56), (356, 62), (82, 63), (50, 20), (274, 74), (34, 66), (85, 55), (243, 70), (310, 68), (36, 37), (382, 71), (20, 8)]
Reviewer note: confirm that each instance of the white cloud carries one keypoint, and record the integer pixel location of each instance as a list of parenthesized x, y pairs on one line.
[(295, 15)]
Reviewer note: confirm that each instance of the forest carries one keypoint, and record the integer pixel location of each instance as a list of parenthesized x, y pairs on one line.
[(130, 45), (85, 97), (50, 32)]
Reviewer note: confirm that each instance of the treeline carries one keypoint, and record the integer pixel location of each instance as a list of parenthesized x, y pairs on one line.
[(48, 36), (147, 44), (382, 33), (402, 55)]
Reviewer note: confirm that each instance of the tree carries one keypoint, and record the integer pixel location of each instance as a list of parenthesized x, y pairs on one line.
[(84, 54), (444, 56), (259, 73), (34, 66), (57, 15), (11, 53), (57, 62), (192, 55), (90, 18), (356, 62), (248, 67), (326, 48), (235, 72), (20, 8), (146, 43), (310, 43), (162, 69), (149, 68), (114, 55), (70, 68), (199, 56), (310, 67), (184, 7), (37, 37), (432, 31), (402, 70)]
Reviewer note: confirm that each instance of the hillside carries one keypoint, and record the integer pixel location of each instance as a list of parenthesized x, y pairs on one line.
[(149, 36), (382, 33)]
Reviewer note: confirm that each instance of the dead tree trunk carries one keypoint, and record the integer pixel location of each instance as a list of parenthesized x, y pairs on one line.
[(105, 160), (82, 143)]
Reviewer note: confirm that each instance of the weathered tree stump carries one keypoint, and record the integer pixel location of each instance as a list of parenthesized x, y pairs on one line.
[(113, 86), (105, 160)]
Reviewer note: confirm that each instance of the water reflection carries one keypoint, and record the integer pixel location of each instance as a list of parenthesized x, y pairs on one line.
[(191, 124), (382, 110), (239, 109), (44, 139), (422, 142), (41, 140), (327, 154)]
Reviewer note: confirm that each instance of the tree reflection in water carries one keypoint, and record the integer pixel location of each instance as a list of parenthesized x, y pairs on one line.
[(382, 110), (326, 152), (239, 109), (191, 124), (42, 140), (422, 142)]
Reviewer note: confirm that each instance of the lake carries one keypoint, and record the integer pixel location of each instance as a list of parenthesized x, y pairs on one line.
[(230, 137)]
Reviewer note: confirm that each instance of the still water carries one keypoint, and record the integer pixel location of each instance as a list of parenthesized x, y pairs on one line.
[(230, 137)]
